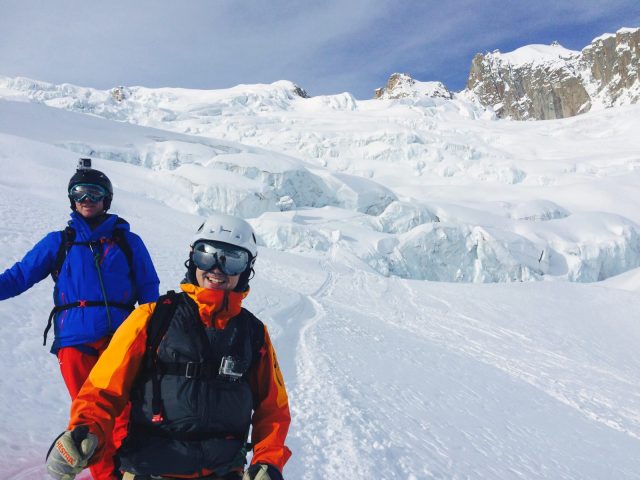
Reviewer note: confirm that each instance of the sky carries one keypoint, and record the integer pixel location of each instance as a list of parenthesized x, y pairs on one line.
[(326, 47)]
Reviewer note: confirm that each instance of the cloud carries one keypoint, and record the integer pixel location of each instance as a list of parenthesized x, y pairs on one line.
[(326, 46)]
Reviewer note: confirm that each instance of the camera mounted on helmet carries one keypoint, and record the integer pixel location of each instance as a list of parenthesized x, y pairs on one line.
[(84, 164)]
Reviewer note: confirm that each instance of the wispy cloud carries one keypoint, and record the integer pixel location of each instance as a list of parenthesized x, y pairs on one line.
[(327, 46)]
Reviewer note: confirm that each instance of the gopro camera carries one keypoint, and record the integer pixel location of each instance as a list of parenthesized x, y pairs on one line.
[(84, 164), (230, 368)]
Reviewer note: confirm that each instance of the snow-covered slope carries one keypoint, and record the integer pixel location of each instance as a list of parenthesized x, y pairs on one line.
[(414, 159), (366, 211)]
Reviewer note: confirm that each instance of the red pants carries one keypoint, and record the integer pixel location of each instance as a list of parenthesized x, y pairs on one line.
[(75, 367)]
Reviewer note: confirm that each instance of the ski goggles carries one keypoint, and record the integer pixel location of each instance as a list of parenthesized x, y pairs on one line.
[(229, 259), (84, 191)]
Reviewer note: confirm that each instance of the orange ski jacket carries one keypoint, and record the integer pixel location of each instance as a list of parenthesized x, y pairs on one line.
[(106, 392)]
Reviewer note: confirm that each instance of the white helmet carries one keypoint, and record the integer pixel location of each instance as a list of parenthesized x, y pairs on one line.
[(228, 229)]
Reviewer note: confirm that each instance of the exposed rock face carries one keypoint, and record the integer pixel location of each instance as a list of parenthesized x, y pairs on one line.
[(119, 94), (401, 85), (530, 91), (614, 62), (301, 92), (541, 82)]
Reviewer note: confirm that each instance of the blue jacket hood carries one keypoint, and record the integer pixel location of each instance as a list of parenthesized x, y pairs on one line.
[(104, 230)]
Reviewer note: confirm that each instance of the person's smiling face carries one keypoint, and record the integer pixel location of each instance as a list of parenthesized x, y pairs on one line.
[(216, 280)]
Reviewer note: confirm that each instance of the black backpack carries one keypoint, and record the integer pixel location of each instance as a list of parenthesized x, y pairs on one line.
[(157, 328)]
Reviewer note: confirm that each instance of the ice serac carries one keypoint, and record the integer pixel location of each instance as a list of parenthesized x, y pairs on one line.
[(541, 82), (401, 85)]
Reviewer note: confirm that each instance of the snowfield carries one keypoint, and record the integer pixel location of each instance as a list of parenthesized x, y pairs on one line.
[(450, 296)]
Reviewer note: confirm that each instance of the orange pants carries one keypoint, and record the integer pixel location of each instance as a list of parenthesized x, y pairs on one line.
[(75, 367)]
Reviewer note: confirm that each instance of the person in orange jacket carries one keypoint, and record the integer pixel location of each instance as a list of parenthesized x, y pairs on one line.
[(199, 372)]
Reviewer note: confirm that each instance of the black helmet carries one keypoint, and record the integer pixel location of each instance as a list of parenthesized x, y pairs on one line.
[(86, 174)]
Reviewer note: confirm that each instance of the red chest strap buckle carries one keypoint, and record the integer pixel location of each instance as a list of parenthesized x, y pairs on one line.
[(157, 418)]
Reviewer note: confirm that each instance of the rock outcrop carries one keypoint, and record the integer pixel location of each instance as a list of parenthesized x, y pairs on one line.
[(540, 82), (614, 64), (301, 92), (401, 85)]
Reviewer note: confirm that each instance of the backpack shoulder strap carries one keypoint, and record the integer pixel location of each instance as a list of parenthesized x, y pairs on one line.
[(160, 319), (120, 239), (156, 329), (255, 329), (68, 235)]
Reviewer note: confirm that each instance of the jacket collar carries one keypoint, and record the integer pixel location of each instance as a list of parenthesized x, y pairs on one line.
[(216, 307), (105, 229)]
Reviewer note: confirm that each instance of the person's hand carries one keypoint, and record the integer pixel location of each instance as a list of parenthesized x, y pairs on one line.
[(262, 471), (70, 453)]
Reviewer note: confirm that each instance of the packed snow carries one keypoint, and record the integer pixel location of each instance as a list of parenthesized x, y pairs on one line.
[(450, 296)]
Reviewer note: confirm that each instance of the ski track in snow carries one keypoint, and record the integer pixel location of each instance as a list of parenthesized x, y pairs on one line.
[(543, 373), (342, 435), (337, 437), (323, 425)]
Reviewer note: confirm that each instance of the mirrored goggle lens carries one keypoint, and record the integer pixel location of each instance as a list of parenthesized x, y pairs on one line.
[(93, 193), (230, 260)]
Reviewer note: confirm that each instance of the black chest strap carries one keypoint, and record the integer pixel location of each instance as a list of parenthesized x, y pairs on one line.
[(81, 304), (209, 370)]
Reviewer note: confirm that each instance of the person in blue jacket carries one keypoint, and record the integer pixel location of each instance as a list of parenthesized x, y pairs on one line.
[(101, 270)]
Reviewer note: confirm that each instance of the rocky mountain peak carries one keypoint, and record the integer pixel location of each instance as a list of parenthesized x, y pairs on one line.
[(402, 85), (539, 82)]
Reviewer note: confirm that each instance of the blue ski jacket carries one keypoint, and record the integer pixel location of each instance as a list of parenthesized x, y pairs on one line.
[(80, 281)]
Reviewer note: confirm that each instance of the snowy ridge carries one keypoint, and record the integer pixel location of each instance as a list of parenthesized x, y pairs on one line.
[(540, 55), (606, 36)]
